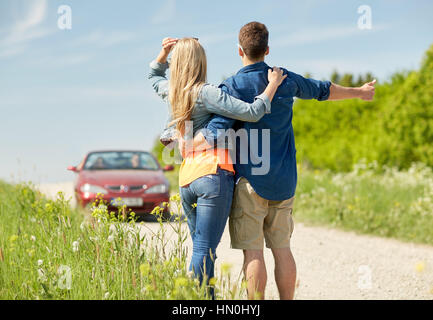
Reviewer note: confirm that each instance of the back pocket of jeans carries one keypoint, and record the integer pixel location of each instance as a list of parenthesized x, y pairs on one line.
[(208, 187)]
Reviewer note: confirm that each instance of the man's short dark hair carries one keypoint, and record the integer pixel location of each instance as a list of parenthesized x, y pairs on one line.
[(253, 38)]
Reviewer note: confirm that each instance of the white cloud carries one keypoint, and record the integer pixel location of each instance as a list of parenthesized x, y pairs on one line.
[(316, 35), (216, 38), (100, 39), (322, 68), (66, 60), (98, 95), (24, 30), (10, 52), (165, 13)]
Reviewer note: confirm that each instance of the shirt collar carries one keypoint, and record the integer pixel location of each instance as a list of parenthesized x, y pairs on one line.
[(254, 67)]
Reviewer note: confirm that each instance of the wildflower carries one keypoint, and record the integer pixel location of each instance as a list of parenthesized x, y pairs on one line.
[(107, 295), (212, 281), (148, 288), (420, 266), (33, 238), (41, 275), (180, 282), (175, 198), (144, 269), (226, 267), (75, 246), (40, 262)]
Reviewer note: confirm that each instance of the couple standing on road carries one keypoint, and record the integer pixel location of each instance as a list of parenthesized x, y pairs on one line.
[(216, 182)]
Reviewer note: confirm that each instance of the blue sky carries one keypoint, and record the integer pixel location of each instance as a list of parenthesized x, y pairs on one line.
[(66, 92)]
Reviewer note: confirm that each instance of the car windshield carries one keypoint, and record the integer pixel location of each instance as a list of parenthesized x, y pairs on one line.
[(120, 161)]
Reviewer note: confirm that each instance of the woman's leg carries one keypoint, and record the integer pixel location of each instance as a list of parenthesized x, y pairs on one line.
[(189, 199), (215, 193)]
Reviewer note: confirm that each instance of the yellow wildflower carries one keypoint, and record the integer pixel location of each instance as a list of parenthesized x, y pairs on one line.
[(181, 282), (420, 266), (226, 267), (144, 269)]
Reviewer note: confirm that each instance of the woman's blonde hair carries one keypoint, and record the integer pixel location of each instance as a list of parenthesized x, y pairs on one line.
[(188, 69)]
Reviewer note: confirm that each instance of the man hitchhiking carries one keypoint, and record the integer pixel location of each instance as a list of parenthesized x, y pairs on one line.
[(263, 201)]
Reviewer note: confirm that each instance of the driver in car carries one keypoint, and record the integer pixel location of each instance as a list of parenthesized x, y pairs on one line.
[(99, 164), (135, 161)]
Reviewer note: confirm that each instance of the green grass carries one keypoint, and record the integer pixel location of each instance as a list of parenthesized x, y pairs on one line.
[(383, 202), (50, 251)]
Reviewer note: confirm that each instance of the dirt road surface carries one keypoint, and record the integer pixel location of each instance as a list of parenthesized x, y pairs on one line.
[(334, 264)]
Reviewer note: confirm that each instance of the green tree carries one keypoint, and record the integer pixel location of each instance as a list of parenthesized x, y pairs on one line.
[(395, 129), (347, 80), (335, 77)]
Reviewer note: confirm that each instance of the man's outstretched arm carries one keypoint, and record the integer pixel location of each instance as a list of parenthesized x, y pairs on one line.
[(325, 90), (366, 92)]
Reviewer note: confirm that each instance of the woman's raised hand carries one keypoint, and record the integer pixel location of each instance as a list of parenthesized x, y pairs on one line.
[(275, 75), (168, 44)]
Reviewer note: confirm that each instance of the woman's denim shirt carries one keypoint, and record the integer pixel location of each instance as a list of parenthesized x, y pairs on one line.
[(211, 100)]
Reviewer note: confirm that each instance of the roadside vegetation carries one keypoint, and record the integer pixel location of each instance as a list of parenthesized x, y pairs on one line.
[(50, 251), (381, 201), (394, 130)]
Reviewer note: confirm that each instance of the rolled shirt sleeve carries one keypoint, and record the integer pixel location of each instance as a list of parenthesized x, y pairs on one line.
[(311, 88)]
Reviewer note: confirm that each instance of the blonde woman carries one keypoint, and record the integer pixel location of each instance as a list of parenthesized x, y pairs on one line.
[(206, 179)]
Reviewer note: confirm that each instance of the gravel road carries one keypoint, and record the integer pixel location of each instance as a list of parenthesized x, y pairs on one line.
[(334, 264)]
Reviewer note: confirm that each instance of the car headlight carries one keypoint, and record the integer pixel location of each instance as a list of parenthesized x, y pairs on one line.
[(93, 189), (160, 188)]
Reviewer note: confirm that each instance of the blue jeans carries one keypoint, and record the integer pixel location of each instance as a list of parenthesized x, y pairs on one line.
[(213, 195)]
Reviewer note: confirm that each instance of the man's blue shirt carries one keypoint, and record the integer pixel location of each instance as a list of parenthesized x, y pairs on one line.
[(280, 181)]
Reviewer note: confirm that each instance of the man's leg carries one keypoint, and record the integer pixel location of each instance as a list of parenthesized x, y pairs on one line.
[(285, 273), (246, 232), (255, 274), (278, 229)]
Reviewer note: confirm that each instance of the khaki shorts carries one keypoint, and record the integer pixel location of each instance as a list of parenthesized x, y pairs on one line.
[(253, 219)]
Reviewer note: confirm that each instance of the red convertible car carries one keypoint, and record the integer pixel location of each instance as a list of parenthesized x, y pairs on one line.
[(131, 178)]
